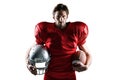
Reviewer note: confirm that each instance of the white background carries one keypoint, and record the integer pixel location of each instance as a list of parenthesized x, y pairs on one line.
[(19, 17)]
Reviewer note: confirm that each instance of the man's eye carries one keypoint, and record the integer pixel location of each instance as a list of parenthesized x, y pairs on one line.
[(64, 16)]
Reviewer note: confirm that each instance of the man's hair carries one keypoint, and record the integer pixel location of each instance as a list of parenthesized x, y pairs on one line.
[(60, 7)]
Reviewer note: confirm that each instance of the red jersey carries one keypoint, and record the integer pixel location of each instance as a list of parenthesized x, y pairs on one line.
[(61, 44)]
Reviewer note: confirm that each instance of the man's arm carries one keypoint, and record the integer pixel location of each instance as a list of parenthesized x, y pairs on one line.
[(80, 66), (27, 54), (87, 52), (30, 67)]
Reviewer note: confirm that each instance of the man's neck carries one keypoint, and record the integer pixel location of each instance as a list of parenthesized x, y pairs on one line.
[(61, 26)]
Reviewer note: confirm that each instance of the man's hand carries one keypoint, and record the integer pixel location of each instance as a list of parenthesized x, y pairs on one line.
[(79, 66), (32, 69)]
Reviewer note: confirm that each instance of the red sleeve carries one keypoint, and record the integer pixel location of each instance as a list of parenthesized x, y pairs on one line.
[(40, 33), (82, 32)]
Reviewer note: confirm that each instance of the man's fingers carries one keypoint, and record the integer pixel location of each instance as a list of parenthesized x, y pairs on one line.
[(32, 69), (79, 68)]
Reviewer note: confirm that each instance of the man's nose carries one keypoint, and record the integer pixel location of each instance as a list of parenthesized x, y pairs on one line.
[(60, 19)]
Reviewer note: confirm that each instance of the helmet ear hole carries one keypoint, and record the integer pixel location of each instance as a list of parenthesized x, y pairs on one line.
[(39, 57)]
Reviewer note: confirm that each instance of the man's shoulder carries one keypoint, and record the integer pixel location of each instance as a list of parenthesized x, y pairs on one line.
[(79, 25), (44, 23)]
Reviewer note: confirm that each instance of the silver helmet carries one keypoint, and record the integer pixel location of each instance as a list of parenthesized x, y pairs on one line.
[(39, 57)]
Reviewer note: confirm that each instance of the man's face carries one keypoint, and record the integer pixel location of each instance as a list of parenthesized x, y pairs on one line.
[(60, 18)]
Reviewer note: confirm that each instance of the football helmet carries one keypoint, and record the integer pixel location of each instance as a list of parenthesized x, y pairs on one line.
[(39, 57)]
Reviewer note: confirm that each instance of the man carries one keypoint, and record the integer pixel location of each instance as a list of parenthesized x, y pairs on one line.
[(61, 39)]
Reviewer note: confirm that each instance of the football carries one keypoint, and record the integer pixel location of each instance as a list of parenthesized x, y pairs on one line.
[(79, 56)]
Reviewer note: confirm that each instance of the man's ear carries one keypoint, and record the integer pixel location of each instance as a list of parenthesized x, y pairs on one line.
[(67, 16), (53, 17)]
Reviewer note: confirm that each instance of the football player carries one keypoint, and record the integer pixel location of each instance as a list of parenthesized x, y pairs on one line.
[(61, 39)]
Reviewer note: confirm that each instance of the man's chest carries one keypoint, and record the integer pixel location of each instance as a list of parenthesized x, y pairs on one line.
[(62, 38)]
